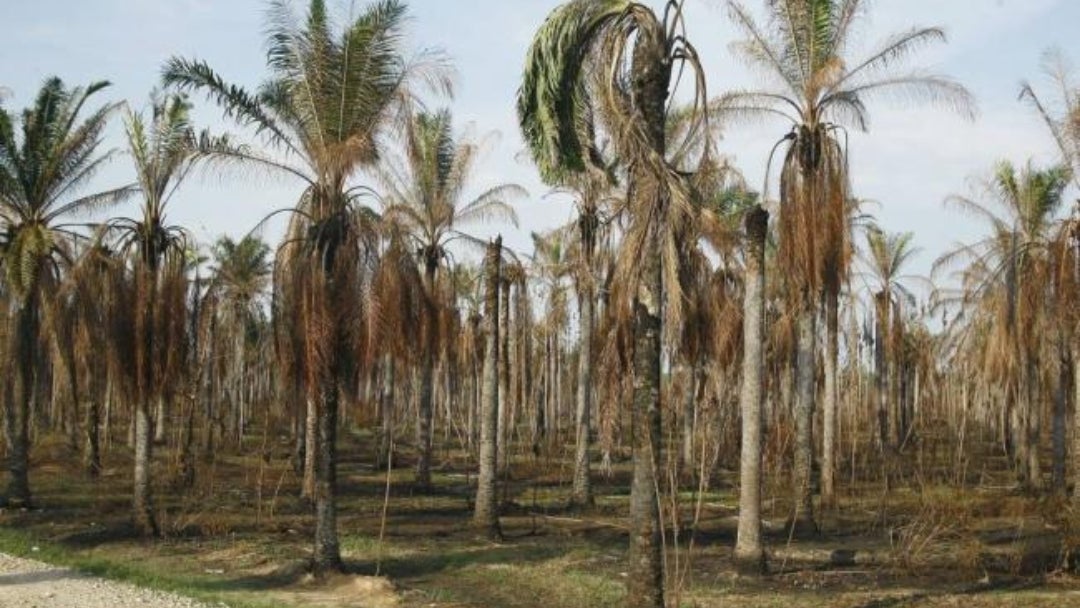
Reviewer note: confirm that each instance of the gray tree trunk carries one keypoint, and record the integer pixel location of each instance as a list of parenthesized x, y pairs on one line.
[(427, 385), (830, 400), (749, 553), (689, 373), (504, 372), (486, 516), (1034, 426), (581, 496), (159, 421), (145, 522), (803, 516), (386, 410)]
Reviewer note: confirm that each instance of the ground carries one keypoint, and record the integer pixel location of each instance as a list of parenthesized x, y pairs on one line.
[(241, 536)]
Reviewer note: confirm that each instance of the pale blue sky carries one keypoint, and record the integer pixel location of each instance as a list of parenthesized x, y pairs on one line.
[(911, 160)]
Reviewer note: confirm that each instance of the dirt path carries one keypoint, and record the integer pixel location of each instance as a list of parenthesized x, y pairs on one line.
[(31, 584)]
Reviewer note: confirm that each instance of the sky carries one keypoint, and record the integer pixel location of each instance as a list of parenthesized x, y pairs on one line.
[(911, 159)]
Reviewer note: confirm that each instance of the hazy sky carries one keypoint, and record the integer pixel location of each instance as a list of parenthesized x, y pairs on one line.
[(909, 162)]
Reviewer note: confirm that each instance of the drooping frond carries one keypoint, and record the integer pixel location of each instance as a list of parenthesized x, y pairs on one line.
[(551, 99)]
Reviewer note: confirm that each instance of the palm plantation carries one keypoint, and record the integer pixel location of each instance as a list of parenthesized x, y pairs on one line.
[(688, 368), (425, 201), (329, 96), (805, 48)]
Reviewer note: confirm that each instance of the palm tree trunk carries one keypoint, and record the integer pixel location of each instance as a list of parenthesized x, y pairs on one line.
[(18, 493), (830, 399), (645, 583), (187, 446), (92, 457), (581, 496), (106, 425), (485, 516), (1034, 426), (1076, 422), (1061, 405), (882, 368), (427, 387), (145, 522), (159, 421), (686, 440), (504, 372), (803, 517), (650, 87), (311, 429), (749, 554), (327, 553), (386, 411), (74, 405)]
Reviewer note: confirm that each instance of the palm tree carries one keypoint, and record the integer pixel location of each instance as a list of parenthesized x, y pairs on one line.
[(1062, 121), (329, 97), (398, 300), (820, 94), (1065, 268), (425, 199), (1062, 118), (164, 150), (886, 257), (619, 55), (242, 272), (1008, 273), (550, 264), (589, 227), (89, 310), (41, 172)]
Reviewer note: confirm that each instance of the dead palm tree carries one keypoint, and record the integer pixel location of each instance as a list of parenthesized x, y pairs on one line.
[(241, 278), (821, 92), (86, 315), (325, 107), (164, 149), (1062, 117), (426, 199), (42, 171), (395, 323), (886, 257), (1065, 308), (551, 265), (1008, 276)]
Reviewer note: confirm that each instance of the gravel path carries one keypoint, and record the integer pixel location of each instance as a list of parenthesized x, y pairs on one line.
[(31, 584)]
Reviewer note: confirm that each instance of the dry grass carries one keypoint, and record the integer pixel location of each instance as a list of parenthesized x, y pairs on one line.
[(241, 536)]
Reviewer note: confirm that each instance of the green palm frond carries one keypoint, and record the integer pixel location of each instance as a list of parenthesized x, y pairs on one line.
[(48, 154), (551, 100)]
